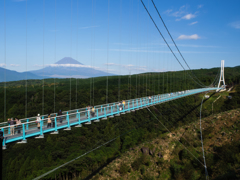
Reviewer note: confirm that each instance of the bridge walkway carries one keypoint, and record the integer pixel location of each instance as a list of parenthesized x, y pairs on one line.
[(82, 116)]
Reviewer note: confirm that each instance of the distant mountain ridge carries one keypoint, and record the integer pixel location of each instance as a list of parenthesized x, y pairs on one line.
[(64, 68), (16, 76), (69, 67)]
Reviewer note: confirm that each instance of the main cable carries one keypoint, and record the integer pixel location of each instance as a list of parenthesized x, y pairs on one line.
[(174, 41), (166, 41)]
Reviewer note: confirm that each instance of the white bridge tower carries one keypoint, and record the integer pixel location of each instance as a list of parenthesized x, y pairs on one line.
[(221, 79)]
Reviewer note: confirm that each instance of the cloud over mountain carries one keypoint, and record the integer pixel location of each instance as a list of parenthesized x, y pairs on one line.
[(184, 37)]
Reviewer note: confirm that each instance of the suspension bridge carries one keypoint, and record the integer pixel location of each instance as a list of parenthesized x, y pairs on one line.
[(36, 127), (78, 117)]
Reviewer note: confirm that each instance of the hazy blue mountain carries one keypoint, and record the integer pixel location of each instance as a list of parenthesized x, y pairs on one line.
[(16, 76), (68, 67)]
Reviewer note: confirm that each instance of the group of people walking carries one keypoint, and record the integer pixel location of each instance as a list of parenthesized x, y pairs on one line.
[(14, 125), (50, 120), (90, 110)]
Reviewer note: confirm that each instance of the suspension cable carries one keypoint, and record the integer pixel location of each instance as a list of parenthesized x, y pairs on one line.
[(174, 41), (70, 97), (107, 53), (26, 68), (5, 64), (77, 59), (120, 53), (55, 44), (43, 57), (205, 166), (165, 40)]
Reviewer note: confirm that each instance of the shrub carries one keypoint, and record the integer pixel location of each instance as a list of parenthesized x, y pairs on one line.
[(124, 168), (142, 170)]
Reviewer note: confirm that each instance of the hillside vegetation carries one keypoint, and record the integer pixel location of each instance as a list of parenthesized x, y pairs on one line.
[(168, 157), (26, 161)]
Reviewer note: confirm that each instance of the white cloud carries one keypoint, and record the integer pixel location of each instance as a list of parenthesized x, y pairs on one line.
[(37, 65), (179, 13), (168, 11), (193, 23), (200, 6), (128, 66), (2, 65), (69, 65), (235, 24), (14, 65), (189, 16), (194, 36)]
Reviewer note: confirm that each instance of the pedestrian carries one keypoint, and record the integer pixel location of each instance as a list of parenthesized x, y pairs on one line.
[(120, 106), (49, 121), (38, 121), (18, 125), (123, 102), (9, 120), (12, 126), (150, 99), (93, 112), (60, 116)]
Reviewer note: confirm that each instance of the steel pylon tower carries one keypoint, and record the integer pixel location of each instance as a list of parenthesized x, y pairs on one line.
[(221, 79)]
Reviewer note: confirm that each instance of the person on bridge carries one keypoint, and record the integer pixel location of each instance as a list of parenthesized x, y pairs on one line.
[(123, 102), (38, 121), (150, 99), (93, 111), (11, 123), (120, 106), (18, 125), (49, 121)]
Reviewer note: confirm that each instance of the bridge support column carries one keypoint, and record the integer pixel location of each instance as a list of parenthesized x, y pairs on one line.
[(97, 120), (24, 138), (27, 124), (56, 131), (3, 145), (105, 114), (111, 116), (41, 130), (68, 121), (79, 120), (118, 111), (128, 108)]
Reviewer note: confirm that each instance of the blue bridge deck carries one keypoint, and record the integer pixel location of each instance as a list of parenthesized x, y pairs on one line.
[(77, 117)]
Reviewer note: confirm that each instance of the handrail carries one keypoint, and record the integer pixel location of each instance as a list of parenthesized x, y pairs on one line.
[(113, 104)]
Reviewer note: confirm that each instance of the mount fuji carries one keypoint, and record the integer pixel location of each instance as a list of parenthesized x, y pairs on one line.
[(69, 67)]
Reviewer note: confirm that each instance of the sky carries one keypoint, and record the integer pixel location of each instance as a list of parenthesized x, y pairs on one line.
[(118, 36)]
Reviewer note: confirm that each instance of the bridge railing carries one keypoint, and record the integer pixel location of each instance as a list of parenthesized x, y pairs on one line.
[(79, 116)]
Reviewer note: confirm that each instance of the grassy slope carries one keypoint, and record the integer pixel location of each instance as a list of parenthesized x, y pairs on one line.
[(219, 130)]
